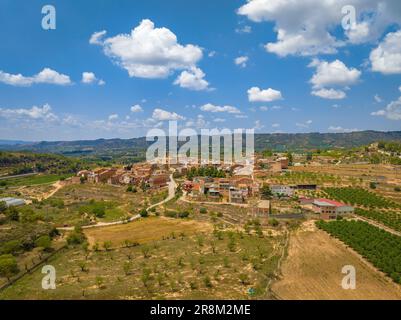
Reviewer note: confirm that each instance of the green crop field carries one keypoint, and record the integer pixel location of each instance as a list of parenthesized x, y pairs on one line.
[(381, 248)]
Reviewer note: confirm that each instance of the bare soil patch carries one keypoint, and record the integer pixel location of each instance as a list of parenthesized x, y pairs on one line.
[(313, 267)]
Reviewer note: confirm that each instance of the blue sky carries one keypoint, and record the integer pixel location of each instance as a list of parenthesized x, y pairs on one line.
[(196, 61)]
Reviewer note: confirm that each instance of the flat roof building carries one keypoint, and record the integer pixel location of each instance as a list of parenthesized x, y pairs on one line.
[(13, 202)]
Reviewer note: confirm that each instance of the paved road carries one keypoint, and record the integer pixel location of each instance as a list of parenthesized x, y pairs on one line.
[(172, 185)]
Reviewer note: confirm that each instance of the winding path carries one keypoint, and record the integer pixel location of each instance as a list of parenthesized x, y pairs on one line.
[(172, 185)]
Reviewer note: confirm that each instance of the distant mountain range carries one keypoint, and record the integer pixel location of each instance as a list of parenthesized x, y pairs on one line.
[(276, 142), (13, 142)]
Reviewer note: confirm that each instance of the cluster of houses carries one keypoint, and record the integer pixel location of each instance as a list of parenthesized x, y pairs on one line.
[(153, 176), (236, 189), (274, 165)]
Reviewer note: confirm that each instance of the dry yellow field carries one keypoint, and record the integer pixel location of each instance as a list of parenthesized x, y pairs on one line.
[(313, 267), (145, 230)]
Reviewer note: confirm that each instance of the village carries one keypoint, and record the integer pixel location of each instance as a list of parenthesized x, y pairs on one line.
[(234, 184)]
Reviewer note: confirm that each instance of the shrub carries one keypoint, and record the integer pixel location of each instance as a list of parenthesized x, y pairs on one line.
[(208, 282), (183, 214), (8, 266), (76, 237), (143, 213), (99, 212), (44, 242), (274, 222), (10, 247)]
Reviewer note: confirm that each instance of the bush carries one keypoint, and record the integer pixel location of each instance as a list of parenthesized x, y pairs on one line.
[(76, 237), (8, 266), (10, 247), (273, 222), (99, 212), (143, 213), (3, 206), (129, 189), (208, 282), (171, 214), (44, 242), (12, 214), (184, 214), (203, 210)]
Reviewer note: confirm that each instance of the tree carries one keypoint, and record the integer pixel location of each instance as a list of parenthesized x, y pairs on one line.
[(145, 251), (8, 266), (99, 211), (267, 153), (129, 189), (82, 265), (183, 214), (127, 243), (107, 245), (10, 247), (273, 222), (146, 276), (76, 237), (290, 158), (12, 214), (243, 277), (143, 213), (127, 268), (3, 206), (44, 242), (309, 156), (266, 192), (208, 282)]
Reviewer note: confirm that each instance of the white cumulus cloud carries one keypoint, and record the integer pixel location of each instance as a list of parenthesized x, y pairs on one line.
[(34, 113), (149, 52), (256, 94), (332, 94), (213, 108), (340, 129), (241, 61), (136, 108), (386, 58), (392, 111), (334, 73), (90, 77), (163, 115), (192, 79), (46, 76), (308, 27), (96, 37)]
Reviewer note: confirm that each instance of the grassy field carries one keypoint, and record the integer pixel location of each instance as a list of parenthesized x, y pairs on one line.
[(146, 230), (313, 267), (34, 180), (184, 265)]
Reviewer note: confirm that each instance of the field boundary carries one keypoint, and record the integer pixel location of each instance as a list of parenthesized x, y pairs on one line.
[(33, 268)]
